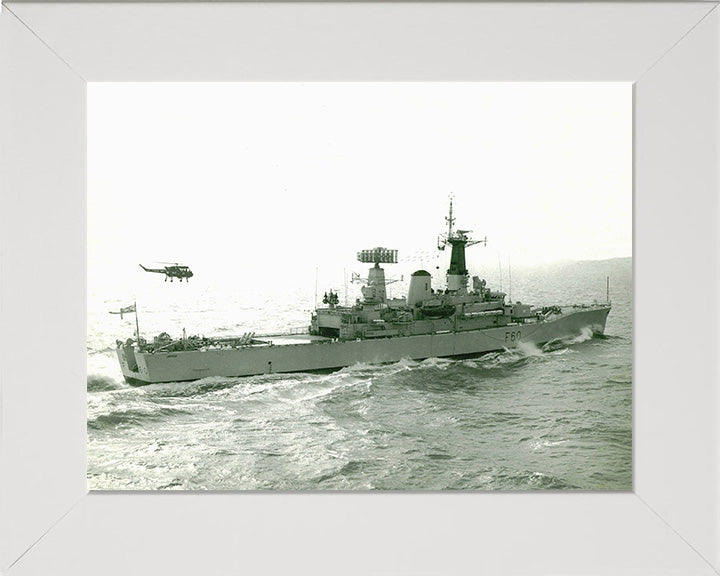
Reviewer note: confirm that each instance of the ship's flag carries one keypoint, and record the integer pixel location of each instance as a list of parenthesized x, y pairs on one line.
[(126, 310)]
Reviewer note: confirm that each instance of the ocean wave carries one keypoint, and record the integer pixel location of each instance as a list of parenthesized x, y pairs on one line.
[(359, 368), (528, 349), (192, 388), (102, 383), (504, 479), (101, 349), (586, 333), (497, 362), (441, 363), (309, 393), (540, 481), (131, 416), (367, 368), (339, 390)]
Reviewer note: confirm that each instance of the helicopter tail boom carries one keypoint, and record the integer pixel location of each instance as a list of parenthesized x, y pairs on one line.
[(159, 270)]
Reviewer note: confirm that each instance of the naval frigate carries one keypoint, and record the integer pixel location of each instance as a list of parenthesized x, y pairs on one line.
[(459, 321)]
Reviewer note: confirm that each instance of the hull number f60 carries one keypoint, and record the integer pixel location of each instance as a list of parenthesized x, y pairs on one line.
[(512, 336)]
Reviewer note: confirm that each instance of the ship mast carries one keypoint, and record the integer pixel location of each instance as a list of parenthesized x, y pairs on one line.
[(457, 273), (450, 220), (137, 324)]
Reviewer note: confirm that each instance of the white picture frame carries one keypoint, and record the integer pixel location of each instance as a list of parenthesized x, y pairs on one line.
[(668, 524)]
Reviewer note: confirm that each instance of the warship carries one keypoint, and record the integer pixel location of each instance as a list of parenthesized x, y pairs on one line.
[(464, 319)]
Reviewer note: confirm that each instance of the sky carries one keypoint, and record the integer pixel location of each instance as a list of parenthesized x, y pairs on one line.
[(276, 180)]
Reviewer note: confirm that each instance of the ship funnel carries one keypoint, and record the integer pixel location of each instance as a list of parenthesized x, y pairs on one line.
[(420, 287)]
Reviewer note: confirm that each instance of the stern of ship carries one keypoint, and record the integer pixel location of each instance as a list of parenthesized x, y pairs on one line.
[(129, 364)]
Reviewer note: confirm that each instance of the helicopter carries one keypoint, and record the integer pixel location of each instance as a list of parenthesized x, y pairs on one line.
[(174, 270)]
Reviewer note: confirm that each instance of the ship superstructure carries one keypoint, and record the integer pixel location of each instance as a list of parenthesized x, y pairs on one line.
[(425, 310), (460, 320)]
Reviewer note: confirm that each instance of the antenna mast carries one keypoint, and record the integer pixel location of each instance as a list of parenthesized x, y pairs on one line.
[(509, 280), (316, 284), (346, 286), (137, 324), (450, 220), (500, 268), (607, 295)]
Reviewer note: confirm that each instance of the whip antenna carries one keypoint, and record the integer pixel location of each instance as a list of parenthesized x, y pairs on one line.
[(607, 294)]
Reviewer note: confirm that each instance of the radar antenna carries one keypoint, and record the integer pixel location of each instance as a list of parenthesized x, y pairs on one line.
[(374, 291), (378, 255), (456, 236)]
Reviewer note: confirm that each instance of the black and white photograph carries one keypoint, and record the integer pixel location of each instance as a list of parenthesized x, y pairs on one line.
[(359, 286)]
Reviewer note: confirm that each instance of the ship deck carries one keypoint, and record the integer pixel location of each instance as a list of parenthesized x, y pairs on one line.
[(288, 339)]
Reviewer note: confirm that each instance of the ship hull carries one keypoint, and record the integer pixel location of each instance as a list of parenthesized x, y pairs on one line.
[(146, 368)]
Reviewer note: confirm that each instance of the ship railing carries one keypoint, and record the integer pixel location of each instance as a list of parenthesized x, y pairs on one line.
[(297, 331)]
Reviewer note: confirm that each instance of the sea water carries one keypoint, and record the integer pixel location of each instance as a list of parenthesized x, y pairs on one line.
[(552, 417)]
